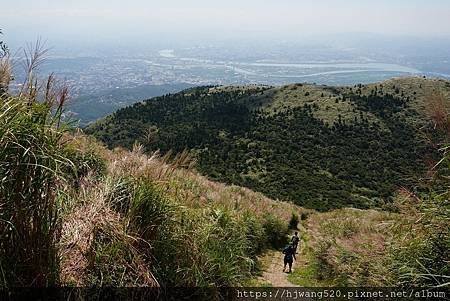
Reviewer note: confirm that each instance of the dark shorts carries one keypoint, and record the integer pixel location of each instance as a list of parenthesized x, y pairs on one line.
[(288, 260)]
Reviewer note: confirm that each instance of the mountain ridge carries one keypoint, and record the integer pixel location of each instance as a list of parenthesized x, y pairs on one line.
[(322, 147)]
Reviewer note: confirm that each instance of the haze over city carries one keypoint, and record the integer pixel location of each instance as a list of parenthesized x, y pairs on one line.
[(202, 20), (114, 53)]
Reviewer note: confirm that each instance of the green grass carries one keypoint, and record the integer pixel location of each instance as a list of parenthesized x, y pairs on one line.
[(420, 251), (345, 248), (32, 162), (329, 104), (418, 89), (257, 283), (305, 271)]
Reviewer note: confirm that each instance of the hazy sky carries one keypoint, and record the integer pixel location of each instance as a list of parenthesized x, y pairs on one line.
[(104, 19)]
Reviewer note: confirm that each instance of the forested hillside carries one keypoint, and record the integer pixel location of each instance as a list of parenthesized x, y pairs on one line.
[(321, 147)]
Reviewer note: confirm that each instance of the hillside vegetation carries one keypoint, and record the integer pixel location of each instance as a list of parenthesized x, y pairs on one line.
[(352, 247), (320, 147), (120, 218), (168, 223), (73, 213)]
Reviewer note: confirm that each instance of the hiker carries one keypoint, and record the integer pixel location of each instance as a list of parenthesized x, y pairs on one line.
[(294, 240), (289, 256)]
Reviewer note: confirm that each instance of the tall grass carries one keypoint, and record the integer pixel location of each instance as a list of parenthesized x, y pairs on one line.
[(438, 113), (349, 247), (74, 213), (188, 230), (142, 229), (98, 246), (420, 253), (31, 162), (32, 166), (211, 246), (5, 67)]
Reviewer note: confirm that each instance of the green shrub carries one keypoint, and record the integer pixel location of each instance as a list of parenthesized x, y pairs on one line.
[(323, 270), (304, 216), (255, 234), (293, 222), (149, 209), (275, 230), (85, 163)]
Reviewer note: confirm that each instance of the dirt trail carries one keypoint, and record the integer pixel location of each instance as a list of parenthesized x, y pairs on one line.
[(274, 273)]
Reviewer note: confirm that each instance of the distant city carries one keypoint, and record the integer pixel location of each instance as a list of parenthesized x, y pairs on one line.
[(103, 82)]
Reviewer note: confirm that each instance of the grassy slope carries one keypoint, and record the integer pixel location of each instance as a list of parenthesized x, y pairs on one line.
[(99, 245), (327, 97), (131, 219), (345, 247), (350, 247)]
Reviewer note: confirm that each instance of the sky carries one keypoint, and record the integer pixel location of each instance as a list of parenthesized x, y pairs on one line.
[(131, 20)]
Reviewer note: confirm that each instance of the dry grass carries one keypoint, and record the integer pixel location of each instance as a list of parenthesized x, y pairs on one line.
[(183, 183), (349, 247), (78, 233), (420, 252), (437, 111), (5, 72), (89, 217)]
